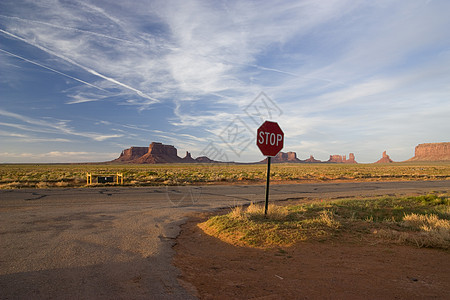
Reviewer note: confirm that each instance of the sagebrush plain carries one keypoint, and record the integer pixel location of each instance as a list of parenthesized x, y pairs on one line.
[(14, 176)]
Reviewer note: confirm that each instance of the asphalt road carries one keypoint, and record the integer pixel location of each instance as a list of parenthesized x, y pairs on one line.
[(114, 242)]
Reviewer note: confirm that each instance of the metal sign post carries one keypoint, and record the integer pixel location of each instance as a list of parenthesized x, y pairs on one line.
[(270, 140), (266, 206)]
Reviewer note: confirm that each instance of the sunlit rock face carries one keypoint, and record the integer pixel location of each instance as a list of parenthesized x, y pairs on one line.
[(432, 152), (385, 159), (343, 159), (157, 153)]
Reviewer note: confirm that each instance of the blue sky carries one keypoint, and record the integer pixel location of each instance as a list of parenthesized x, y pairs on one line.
[(82, 80)]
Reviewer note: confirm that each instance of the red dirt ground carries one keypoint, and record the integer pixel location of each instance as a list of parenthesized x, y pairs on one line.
[(346, 268)]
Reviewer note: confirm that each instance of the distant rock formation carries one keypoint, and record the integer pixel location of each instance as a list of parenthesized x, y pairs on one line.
[(157, 153), (188, 158), (343, 159), (291, 157), (205, 160), (286, 157), (132, 154), (311, 159), (385, 159), (432, 152)]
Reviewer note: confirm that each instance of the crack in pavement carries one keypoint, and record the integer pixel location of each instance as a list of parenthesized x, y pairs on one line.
[(39, 196)]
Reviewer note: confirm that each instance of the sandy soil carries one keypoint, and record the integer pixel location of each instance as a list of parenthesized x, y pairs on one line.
[(346, 268)]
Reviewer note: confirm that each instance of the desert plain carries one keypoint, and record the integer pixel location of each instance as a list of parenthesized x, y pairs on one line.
[(141, 240)]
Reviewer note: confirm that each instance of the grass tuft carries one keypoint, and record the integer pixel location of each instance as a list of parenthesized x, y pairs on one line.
[(423, 221), (428, 230)]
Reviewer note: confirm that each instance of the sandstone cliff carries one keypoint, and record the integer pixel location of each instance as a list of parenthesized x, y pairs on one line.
[(157, 153), (188, 158), (291, 157), (343, 159), (131, 154), (286, 157), (432, 152), (206, 160), (384, 159), (311, 159)]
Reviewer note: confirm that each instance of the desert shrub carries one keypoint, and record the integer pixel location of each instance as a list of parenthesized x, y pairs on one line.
[(10, 185), (62, 184), (42, 185)]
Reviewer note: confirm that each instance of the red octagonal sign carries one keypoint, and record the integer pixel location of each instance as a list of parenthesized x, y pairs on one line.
[(270, 138)]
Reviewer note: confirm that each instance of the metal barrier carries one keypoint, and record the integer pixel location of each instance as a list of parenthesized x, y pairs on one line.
[(104, 178)]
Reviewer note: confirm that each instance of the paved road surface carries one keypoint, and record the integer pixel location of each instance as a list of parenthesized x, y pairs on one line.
[(116, 243)]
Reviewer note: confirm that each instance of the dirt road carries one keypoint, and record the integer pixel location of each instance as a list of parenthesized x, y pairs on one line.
[(113, 242)]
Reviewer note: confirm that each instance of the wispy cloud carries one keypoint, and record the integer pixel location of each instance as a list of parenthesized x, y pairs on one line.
[(56, 156), (70, 29), (53, 126), (53, 70), (343, 72), (85, 68)]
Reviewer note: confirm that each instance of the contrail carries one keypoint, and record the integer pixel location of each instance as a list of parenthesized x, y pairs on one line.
[(53, 70), (293, 74), (93, 72), (272, 70), (67, 28), (284, 72)]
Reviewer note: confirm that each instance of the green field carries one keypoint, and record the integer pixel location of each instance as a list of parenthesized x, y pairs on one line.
[(74, 175)]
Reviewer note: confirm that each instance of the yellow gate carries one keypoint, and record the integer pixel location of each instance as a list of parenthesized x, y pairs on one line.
[(104, 178)]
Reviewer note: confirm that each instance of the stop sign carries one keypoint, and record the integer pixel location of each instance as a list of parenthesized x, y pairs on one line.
[(269, 138)]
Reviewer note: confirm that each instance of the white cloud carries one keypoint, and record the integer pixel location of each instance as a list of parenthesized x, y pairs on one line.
[(52, 126), (342, 71), (56, 157)]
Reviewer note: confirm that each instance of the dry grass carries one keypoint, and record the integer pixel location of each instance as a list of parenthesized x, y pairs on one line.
[(248, 226), (427, 223), (62, 184), (256, 211), (425, 231), (423, 221), (327, 219), (42, 185)]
